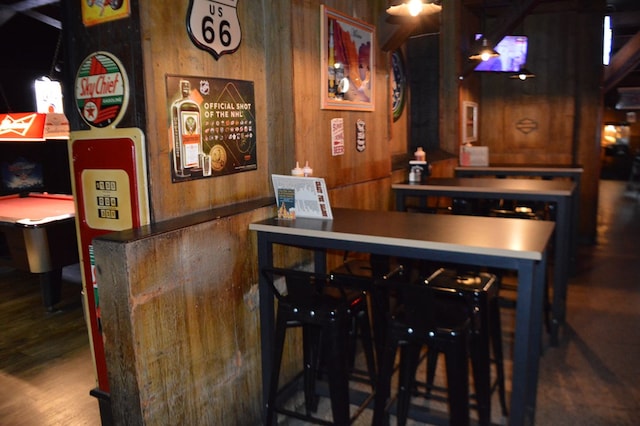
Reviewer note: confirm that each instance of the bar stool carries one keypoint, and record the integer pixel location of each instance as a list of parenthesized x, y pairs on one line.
[(362, 273), (327, 312), (415, 322), (479, 292), (518, 210)]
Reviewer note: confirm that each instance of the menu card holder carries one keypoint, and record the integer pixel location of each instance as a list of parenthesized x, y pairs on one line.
[(301, 197)]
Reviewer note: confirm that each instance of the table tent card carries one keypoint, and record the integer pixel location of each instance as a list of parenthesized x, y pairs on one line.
[(301, 197)]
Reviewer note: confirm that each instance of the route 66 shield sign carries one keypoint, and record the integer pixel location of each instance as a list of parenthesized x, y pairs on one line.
[(213, 26)]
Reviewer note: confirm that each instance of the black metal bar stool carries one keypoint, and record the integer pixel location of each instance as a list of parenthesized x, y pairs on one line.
[(327, 311), (479, 292), (414, 322), (362, 273)]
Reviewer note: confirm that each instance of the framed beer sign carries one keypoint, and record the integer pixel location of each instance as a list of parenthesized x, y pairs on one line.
[(212, 127)]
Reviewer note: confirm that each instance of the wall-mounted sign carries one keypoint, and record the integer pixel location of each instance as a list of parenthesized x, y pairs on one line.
[(213, 127), (398, 84), (361, 135), (100, 11), (109, 180), (347, 62), (48, 95), (337, 136), (213, 26), (101, 90), (32, 126)]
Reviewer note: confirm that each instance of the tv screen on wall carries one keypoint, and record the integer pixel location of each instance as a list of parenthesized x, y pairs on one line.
[(513, 55)]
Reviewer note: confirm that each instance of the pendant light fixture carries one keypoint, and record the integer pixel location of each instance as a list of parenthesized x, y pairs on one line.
[(413, 8), (523, 74), (485, 51)]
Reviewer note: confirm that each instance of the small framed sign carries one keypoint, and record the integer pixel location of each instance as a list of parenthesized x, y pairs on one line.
[(469, 122)]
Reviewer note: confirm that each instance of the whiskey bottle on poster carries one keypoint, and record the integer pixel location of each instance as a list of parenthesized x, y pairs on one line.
[(187, 134)]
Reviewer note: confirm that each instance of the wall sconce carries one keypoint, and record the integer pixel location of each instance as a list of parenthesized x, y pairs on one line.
[(485, 52), (523, 74), (412, 8)]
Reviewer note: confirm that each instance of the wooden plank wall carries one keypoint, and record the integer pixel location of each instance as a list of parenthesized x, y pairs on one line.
[(281, 55), (180, 308), (532, 121), (181, 322), (554, 118), (167, 49)]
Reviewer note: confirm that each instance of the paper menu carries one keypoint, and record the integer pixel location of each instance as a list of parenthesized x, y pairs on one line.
[(311, 198)]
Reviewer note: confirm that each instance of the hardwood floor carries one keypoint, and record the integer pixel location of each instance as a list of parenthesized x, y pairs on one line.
[(46, 366)]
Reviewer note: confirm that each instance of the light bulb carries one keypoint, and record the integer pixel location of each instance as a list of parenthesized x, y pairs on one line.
[(415, 7)]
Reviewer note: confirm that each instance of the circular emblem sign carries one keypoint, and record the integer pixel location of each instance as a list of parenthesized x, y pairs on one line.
[(102, 90), (398, 84), (218, 157)]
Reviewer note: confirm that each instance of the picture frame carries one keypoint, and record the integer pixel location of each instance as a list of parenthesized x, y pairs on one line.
[(469, 122), (347, 62)]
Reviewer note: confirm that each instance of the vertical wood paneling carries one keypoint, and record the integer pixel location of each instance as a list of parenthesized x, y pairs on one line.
[(180, 316), (290, 124), (312, 130), (560, 106), (169, 50), (180, 309)]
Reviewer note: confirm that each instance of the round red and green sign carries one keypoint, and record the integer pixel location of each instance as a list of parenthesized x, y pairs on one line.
[(102, 90)]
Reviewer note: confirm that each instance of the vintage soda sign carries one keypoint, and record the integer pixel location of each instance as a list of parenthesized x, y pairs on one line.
[(213, 26)]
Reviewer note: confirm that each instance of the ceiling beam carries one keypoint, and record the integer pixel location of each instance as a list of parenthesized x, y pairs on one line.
[(7, 11), (392, 33), (625, 60), (44, 18), (25, 5)]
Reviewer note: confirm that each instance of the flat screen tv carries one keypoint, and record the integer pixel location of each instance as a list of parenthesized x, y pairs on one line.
[(513, 55)]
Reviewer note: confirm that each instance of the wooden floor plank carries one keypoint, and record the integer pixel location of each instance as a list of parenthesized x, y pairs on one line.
[(46, 367)]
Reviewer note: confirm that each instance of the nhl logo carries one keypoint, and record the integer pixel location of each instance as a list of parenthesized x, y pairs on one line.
[(213, 26)]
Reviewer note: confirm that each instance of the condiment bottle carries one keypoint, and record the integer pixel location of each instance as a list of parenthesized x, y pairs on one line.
[(307, 170), (297, 171)]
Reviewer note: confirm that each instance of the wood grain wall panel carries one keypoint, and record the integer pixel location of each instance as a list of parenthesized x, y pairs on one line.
[(553, 118), (312, 124), (180, 316), (169, 50), (371, 195), (532, 121)]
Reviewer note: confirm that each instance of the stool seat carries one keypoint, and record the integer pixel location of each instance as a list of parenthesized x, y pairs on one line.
[(479, 292), (413, 323), (328, 312)]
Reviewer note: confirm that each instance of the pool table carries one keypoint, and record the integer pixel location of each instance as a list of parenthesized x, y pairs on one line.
[(38, 235)]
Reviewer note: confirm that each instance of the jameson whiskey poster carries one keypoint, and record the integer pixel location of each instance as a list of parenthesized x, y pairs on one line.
[(212, 127)]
